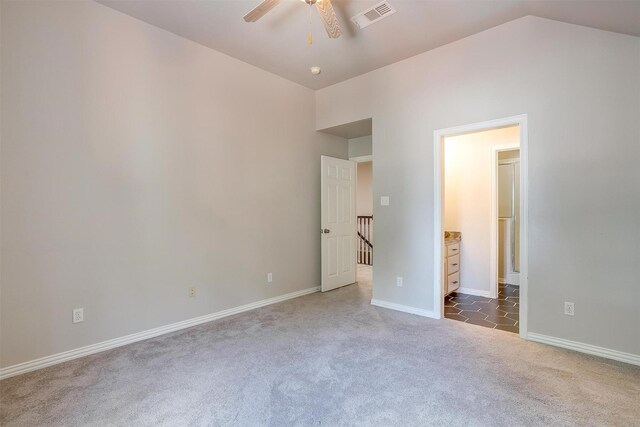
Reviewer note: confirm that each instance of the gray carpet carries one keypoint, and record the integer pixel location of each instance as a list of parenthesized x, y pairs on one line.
[(328, 359)]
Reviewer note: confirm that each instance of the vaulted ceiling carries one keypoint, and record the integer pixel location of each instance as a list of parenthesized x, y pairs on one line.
[(278, 42)]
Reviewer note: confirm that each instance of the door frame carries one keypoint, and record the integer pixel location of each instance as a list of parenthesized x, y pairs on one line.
[(438, 214), (362, 159), (495, 151)]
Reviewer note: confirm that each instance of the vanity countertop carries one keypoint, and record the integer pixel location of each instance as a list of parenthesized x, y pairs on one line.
[(452, 236)]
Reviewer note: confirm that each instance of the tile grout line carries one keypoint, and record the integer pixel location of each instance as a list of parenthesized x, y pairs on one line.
[(508, 297)]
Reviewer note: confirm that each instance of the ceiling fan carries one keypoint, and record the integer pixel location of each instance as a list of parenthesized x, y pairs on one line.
[(323, 7)]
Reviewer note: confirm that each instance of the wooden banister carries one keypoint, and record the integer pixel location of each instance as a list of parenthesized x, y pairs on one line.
[(365, 237)]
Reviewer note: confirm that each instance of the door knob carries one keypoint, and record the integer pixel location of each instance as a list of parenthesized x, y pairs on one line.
[(325, 231)]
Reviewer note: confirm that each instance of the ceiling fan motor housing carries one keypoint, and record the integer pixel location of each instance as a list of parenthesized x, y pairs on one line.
[(324, 8)]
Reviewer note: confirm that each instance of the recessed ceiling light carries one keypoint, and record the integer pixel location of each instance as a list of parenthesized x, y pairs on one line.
[(315, 70)]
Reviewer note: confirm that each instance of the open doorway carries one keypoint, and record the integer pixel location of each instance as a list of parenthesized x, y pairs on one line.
[(346, 225), (360, 151), (479, 224)]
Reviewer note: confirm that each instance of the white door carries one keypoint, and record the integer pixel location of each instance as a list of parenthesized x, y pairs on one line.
[(338, 222)]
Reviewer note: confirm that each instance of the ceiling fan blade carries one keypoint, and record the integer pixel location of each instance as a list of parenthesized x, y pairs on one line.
[(329, 18), (260, 10)]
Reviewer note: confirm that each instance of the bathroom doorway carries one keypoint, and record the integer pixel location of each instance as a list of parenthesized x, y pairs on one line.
[(476, 225)]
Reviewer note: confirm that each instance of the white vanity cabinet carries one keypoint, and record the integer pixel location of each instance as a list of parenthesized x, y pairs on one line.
[(451, 266)]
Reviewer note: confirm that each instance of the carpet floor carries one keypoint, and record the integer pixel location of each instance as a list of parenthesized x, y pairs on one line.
[(328, 359)]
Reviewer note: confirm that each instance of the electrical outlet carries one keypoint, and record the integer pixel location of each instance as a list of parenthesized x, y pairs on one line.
[(399, 282), (569, 309), (384, 200), (269, 277), (192, 292), (78, 315)]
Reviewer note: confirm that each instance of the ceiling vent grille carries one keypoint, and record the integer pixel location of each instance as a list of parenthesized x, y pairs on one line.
[(372, 15)]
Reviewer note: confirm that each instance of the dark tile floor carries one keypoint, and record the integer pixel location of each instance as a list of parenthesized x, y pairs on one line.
[(500, 313)]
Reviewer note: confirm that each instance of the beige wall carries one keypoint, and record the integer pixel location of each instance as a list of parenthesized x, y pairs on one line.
[(364, 200), (467, 199), (136, 164), (580, 88), (361, 146), (509, 155)]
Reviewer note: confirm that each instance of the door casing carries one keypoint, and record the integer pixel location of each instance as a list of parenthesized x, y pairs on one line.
[(438, 206)]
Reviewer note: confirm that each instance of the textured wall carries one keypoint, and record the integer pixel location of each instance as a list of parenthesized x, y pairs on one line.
[(581, 90), (136, 164), (360, 146), (364, 202)]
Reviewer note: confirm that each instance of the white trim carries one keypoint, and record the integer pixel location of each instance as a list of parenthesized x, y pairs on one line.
[(493, 227), (438, 214), (438, 241), (43, 362), (362, 159), (513, 278), (507, 248), (476, 292), (403, 308), (633, 359)]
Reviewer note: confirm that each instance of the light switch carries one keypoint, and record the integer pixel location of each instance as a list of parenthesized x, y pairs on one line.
[(384, 200)]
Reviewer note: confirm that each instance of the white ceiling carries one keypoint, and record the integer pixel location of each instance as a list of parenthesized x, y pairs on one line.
[(278, 42)]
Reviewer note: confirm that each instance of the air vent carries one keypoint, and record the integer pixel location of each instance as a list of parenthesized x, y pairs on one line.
[(374, 14)]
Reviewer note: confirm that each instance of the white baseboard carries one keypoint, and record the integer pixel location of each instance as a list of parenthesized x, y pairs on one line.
[(513, 279), (43, 362), (506, 282), (476, 292), (403, 308), (620, 356)]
